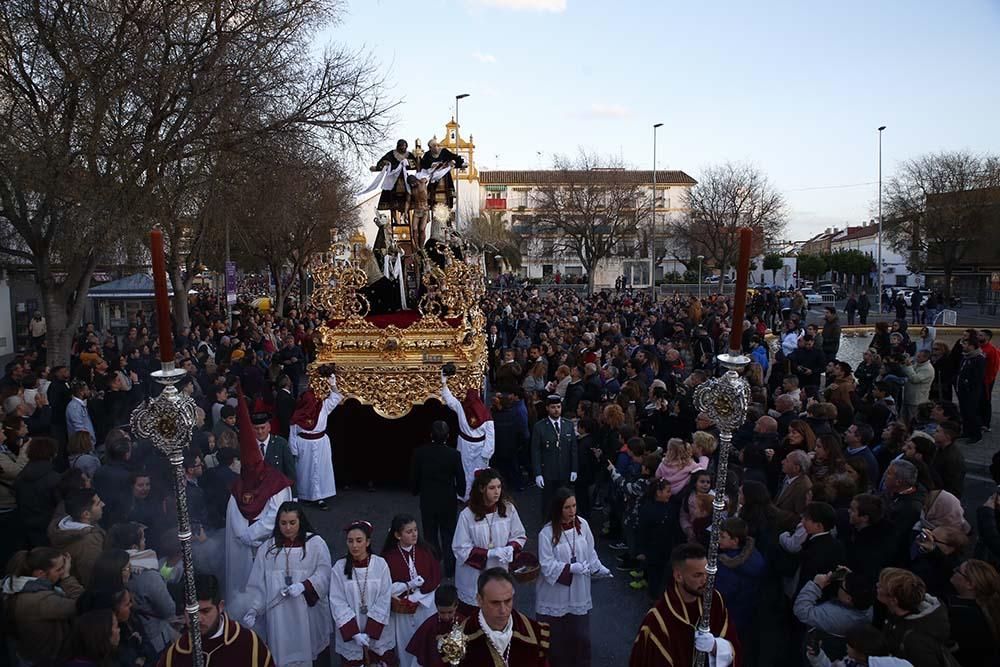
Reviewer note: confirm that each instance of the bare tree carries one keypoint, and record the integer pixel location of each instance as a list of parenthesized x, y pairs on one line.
[(287, 211), (933, 208), (114, 117), (727, 197), (589, 206)]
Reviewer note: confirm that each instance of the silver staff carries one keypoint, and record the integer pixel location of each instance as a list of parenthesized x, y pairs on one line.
[(168, 421), (725, 399)]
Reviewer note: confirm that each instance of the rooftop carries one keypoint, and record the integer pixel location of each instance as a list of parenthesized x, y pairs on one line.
[(583, 177)]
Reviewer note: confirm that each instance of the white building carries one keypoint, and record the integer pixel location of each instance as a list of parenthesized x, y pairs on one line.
[(865, 238)]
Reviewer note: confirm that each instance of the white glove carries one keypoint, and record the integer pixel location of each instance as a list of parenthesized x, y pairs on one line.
[(333, 381), (295, 590), (493, 553), (540, 482), (604, 573), (250, 619), (398, 588), (572, 477), (506, 554), (361, 639), (415, 583), (704, 641), (578, 568), (444, 379)]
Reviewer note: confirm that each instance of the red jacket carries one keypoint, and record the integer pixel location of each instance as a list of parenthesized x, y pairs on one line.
[(992, 362)]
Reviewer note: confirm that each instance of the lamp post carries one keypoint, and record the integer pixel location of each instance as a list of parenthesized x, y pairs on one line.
[(880, 129), (652, 236), (458, 189), (701, 258)]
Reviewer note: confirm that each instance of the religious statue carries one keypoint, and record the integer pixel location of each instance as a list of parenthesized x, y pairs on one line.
[(442, 191), (395, 165)]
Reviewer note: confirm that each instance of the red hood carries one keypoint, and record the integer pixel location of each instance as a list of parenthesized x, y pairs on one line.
[(476, 413), (307, 411), (258, 481)]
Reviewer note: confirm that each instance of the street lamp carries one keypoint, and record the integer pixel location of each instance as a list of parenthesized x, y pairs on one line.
[(701, 258), (460, 96), (880, 129), (652, 236)]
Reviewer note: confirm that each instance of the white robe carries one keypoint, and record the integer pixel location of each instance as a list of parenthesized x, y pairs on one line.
[(470, 534), (475, 455), (296, 632), (404, 626), (345, 603), (239, 557), (314, 458), (551, 597)]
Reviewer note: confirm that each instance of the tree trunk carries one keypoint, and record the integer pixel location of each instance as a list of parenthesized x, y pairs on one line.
[(303, 287), (59, 335), (279, 292), (182, 319)]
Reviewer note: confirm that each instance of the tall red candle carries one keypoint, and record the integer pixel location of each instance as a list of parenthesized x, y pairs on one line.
[(740, 302), (162, 299)]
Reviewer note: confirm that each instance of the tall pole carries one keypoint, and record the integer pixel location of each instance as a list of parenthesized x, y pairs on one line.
[(879, 267), (458, 189), (652, 236), (701, 258), (229, 308)]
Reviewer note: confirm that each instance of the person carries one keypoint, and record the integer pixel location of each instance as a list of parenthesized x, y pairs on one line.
[(568, 560), (360, 595), (415, 574), (948, 463), (111, 479), (39, 601), (77, 416), (970, 388), (94, 639), (858, 439), (441, 191), (289, 588), (423, 646), (794, 493), (974, 612), (273, 448), (223, 641), (919, 379), (821, 552), (81, 453), (916, 626), (252, 509), (850, 608), (831, 333), (554, 455), (669, 634), (864, 306), (678, 464), (498, 634), (659, 531), (865, 543), (35, 490), (438, 477), (992, 356), (310, 445), (476, 437), (285, 403), (489, 534), (78, 533), (741, 572), (851, 308)]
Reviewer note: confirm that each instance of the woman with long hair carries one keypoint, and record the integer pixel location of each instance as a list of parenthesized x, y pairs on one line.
[(360, 596), (974, 613), (489, 534), (94, 640), (288, 589), (828, 460), (80, 449), (416, 574), (692, 517), (894, 436), (800, 436), (568, 560)]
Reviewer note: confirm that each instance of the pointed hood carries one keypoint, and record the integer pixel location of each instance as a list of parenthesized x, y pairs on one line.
[(258, 481), (307, 411), (476, 413)]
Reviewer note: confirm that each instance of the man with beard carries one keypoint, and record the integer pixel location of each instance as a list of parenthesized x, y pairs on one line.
[(669, 635), (223, 640), (443, 190)]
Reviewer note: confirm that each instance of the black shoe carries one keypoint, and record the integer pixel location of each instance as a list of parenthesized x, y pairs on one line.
[(321, 504)]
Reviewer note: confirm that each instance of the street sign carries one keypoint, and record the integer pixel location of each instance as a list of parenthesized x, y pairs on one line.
[(231, 283)]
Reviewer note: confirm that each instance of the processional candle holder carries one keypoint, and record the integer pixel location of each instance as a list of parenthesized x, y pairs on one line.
[(451, 646), (725, 399), (168, 421)]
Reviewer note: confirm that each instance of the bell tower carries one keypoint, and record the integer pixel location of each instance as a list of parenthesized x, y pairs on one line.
[(454, 142)]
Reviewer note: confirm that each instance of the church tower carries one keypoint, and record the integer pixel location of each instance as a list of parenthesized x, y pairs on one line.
[(454, 142)]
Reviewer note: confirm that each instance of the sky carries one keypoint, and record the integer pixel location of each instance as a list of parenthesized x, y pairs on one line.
[(796, 88)]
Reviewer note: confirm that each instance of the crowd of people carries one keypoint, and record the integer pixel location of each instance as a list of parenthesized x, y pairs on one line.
[(845, 537)]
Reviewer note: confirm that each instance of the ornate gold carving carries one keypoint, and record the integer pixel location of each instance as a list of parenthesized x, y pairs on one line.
[(393, 368)]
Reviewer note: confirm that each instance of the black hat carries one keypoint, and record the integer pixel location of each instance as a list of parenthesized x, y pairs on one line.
[(553, 399), (259, 418)]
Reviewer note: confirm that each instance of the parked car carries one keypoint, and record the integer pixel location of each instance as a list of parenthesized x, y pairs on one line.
[(714, 280), (832, 288), (813, 298)]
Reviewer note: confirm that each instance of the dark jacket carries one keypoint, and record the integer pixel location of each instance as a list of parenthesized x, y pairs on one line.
[(553, 460), (278, 455), (284, 408), (868, 550), (659, 530), (831, 338), (111, 481), (739, 581), (510, 428), (904, 511), (436, 475), (921, 637), (971, 631), (820, 554), (216, 484), (35, 490), (949, 464)]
